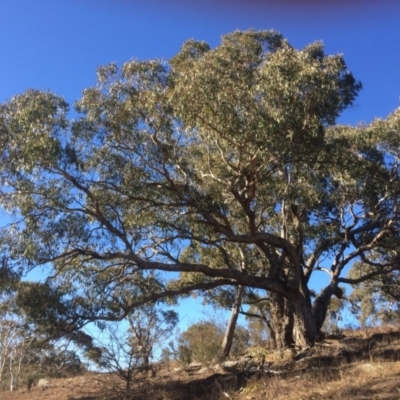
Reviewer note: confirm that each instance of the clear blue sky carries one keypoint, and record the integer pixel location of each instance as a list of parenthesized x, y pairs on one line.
[(58, 44)]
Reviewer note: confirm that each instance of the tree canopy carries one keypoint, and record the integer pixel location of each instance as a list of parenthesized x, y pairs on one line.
[(221, 167)]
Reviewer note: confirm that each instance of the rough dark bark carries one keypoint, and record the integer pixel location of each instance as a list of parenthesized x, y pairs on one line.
[(292, 321), (305, 332), (230, 329), (146, 362), (281, 324)]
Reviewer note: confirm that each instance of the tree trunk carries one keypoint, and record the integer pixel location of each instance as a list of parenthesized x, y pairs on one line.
[(146, 362), (11, 372), (321, 303), (230, 329), (292, 321), (305, 331), (128, 387), (281, 324)]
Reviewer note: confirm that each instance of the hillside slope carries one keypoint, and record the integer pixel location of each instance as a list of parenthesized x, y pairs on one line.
[(360, 365)]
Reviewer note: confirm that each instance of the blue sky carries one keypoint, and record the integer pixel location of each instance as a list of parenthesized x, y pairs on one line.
[(58, 44)]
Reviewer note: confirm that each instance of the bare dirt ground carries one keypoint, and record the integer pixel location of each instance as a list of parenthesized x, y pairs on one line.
[(360, 365)]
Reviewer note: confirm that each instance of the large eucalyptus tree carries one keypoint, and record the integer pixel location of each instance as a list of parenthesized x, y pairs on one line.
[(221, 167)]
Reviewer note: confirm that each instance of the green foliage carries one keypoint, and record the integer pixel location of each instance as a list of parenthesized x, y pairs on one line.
[(222, 167), (241, 340), (376, 301), (202, 342), (28, 352), (334, 320)]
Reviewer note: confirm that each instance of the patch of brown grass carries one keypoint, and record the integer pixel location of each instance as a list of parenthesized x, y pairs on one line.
[(364, 364)]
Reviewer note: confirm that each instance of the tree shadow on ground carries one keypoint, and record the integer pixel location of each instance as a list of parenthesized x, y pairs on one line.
[(208, 388)]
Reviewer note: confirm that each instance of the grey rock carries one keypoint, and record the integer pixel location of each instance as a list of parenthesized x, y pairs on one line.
[(44, 384), (193, 367), (230, 364)]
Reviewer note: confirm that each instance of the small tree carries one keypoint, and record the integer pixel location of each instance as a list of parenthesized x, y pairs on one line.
[(127, 347), (13, 343), (148, 327), (16, 340), (202, 341), (28, 351), (120, 357), (376, 301), (57, 361)]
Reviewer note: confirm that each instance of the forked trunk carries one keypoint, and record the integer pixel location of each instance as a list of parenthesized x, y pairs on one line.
[(292, 321), (305, 330)]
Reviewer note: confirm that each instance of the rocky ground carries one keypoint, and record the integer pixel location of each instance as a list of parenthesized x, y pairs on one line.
[(359, 365)]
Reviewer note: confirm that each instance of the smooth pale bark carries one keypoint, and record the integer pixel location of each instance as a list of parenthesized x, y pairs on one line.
[(230, 329)]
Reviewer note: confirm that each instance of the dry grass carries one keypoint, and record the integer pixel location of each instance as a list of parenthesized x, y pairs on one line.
[(364, 364)]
